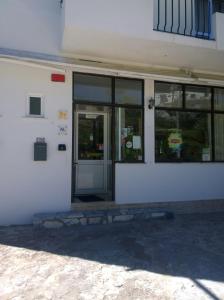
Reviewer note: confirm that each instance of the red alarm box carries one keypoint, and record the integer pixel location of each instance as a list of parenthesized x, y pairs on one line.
[(58, 77)]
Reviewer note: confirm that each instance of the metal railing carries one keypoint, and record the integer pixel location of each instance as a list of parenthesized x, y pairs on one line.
[(186, 17)]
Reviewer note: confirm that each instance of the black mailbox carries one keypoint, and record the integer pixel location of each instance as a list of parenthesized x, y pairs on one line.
[(61, 147), (40, 150)]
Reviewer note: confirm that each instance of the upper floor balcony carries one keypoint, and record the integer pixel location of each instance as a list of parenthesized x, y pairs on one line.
[(172, 33)]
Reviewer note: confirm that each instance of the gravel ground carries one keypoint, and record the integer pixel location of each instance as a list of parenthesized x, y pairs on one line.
[(167, 259)]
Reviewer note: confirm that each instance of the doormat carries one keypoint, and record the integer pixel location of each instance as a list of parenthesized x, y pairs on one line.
[(89, 198)]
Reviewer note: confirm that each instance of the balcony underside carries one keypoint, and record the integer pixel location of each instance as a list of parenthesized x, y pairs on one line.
[(161, 49)]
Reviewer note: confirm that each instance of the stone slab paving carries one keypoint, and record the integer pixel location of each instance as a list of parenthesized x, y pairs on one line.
[(93, 217), (158, 259)]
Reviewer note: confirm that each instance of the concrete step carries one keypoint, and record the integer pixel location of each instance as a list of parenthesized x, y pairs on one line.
[(109, 212), (100, 216)]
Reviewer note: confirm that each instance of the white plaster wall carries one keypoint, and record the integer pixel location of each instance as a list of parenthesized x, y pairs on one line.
[(161, 182), (131, 17), (28, 187), (32, 25)]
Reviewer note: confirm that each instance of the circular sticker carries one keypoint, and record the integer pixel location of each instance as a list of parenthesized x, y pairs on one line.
[(175, 140), (129, 145)]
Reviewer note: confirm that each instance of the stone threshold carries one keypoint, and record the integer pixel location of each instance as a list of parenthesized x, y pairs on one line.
[(87, 217), (111, 212), (177, 207)]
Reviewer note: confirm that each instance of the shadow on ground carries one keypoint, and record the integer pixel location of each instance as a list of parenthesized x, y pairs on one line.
[(188, 246)]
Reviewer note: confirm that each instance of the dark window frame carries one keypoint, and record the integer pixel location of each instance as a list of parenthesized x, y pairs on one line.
[(114, 105), (183, 109)]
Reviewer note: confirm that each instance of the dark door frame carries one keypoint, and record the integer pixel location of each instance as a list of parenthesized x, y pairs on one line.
[(113, 106)]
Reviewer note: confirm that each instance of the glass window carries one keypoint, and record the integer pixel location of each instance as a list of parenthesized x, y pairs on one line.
[(183, 136), (198, 97), (219, 137), (128, 91), (35, 106), (92, 88), (219, 99), (128, 134), (91, 139), (218, 6), (168, 95)]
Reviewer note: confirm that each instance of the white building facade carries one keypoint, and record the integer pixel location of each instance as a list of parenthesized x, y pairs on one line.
[(109, 101)]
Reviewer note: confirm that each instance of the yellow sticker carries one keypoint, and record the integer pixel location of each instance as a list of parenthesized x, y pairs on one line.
[(62, 115)]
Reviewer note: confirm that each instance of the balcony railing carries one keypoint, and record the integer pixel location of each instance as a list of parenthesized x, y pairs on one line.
[(186, 17)]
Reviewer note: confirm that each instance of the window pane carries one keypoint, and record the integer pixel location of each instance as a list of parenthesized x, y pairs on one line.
[(91, 141), (198, 97), (168, 95), (202, 16), (219, 137), (92, 88), (183, 136), (219, 99), (128, 91), (218, 6), (128, 134), (35, 106)]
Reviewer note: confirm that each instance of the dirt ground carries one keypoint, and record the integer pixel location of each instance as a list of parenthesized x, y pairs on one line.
[(167, 259)]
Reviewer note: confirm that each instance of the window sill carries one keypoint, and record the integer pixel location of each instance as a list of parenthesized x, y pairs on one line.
[(130, 162), (34, 117), (188, 162)]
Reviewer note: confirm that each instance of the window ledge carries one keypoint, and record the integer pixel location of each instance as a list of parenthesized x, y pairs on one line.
[(130, 162), (188, 162), (35, 117)]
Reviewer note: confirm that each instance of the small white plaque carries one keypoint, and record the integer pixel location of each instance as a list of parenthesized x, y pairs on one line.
[(62, 129)]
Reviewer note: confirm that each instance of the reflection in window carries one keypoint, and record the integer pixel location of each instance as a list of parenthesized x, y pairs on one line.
[(92, 88), (168, 95), (128, 91), (219, 99), (202, 18), (218, 6), (195, 130), (198, 97), (183, 136), (91, 141), (219, 137), (128, 134)]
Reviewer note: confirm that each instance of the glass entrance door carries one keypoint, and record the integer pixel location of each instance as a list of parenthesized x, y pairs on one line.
[(91, 153)]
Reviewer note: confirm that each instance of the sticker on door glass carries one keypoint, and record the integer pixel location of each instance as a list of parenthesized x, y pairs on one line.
[(124, 132), (136, 142), (175, 141), (129, 145), (100, 147), (206, 154)]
